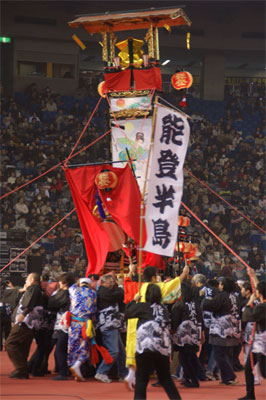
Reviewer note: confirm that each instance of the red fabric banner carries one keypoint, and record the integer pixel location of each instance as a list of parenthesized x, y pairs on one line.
[(148, 78), (153, 260), (118, 81), (81, 183), (122, 203)]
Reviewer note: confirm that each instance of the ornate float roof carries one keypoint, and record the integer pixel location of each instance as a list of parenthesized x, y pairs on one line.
[(132, 20)]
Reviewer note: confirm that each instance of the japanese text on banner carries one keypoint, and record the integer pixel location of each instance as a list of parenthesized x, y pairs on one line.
[(165, 186)]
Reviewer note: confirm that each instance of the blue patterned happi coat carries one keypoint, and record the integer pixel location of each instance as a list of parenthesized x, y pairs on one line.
[(83, 305)]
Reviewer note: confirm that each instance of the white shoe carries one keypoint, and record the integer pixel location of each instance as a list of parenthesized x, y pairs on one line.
[(130, 381), (75, 371), (102, 378)]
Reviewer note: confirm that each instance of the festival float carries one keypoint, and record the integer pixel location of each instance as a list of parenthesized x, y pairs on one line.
[(138, 199)]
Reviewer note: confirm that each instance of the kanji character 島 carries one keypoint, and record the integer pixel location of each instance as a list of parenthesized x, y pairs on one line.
[(161, 234)]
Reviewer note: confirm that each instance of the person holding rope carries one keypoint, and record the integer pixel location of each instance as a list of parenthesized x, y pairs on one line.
[(225, 328), (257, 355), (247, 327)]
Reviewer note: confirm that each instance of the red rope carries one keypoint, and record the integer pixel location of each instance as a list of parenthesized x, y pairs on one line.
[(217, 237), (55, 166), (37, 240), (223, 243), (62, 162), (84, 129), (216, 194)]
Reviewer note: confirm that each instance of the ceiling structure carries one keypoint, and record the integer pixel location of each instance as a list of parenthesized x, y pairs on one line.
[(220, 13), (217, 26)]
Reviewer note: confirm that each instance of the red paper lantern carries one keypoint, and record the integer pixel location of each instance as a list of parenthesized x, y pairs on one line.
[(106, 180), (102, 89), (185, 247), (183, 221), (182, 80)]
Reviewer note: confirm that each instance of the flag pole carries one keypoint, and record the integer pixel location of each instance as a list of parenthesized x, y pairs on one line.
[(97, 163), (142, 205)]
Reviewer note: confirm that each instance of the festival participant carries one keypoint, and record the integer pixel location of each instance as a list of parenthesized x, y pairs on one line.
[(186, 323), (224, 328), (247, 327), (108, 300), (27, 321), (82, 308), (153, 344), (171, 292), (207, 292), (60, 303), (256, 313)]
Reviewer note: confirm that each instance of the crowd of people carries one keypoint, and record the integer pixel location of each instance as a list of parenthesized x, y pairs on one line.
[(230, 163), (59, 309), (137, 329), (41, 131)]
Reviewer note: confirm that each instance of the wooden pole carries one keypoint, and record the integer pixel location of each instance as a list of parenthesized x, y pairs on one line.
[(142, 205)]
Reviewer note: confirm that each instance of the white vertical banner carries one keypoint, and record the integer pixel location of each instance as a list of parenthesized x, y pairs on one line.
[(165, 187), (135, 136)]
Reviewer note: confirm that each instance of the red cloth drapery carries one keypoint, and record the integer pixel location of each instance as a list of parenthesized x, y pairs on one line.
[(149, 78), (122, 203), (153, 260), (118, 81)]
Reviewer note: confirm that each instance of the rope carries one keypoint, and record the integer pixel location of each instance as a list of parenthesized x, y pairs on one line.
[(37, 240), (214, 234), (84, 129), (69, 157), (55, 166), (216, 194)]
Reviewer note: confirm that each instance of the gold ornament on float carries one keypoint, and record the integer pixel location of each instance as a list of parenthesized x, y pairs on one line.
[(124, 54)]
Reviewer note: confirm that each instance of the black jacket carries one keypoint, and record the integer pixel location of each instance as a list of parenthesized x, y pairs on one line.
[(256, 314), (109, 316), (225, 326), (59, 301), (153, 328), (186, 323), (107, 297), (32, 297)]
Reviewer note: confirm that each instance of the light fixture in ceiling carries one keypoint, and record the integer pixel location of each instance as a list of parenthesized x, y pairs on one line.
[(166, 62)]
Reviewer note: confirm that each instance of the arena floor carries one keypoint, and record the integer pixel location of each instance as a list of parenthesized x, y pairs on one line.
[(45, 389)]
